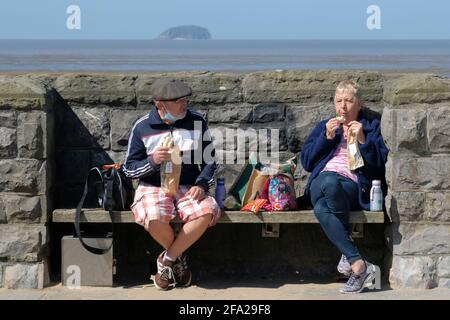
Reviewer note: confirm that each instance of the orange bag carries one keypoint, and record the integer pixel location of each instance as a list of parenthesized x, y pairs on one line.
[(255, 205)]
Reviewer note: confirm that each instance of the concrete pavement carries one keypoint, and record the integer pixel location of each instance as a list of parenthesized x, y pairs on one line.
[(225, 290)]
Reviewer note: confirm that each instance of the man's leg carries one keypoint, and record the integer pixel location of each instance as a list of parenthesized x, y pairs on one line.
[(154, 210), (188, 235), (197, 217), (162, 232)]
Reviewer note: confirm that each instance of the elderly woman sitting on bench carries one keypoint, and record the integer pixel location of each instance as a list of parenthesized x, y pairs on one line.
[(333, 188)]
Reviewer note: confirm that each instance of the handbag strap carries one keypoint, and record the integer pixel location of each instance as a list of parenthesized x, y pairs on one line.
[(94, 250), (109, 200)]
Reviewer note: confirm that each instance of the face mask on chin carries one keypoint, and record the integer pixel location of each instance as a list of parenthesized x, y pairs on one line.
[(170, 117)]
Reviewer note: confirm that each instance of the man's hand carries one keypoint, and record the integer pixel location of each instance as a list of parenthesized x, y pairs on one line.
[(196, 193), (356, 129), (331, 126), (160, 155)]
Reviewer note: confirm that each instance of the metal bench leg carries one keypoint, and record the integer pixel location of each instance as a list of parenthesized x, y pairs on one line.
[(270, 230), (357, 230)]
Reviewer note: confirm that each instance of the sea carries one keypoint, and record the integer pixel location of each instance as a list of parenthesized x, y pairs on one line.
[(224, 55)]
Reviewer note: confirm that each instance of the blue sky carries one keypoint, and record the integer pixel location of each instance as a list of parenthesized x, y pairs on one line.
[(227, 19)]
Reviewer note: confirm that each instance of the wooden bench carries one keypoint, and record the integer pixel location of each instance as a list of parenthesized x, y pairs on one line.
[(270, 220), (305, 216)]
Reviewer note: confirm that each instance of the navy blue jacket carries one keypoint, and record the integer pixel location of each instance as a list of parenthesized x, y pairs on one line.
[(318, 150), (190, 134)]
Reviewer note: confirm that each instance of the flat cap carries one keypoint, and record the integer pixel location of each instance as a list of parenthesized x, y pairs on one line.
[(169, 89)]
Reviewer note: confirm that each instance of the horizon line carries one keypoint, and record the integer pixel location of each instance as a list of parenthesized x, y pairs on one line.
[(201, 40)]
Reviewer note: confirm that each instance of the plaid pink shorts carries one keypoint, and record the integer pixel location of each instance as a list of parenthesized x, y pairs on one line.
[(151, 203)]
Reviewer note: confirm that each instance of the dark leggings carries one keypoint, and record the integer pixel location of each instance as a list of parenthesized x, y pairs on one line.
[(333, 197)]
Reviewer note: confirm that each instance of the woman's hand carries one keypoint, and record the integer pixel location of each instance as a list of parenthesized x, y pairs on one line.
[(331, 126), (356, 129), (196, 193)]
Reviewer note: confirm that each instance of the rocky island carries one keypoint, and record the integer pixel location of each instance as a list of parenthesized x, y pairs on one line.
[(185, 33)]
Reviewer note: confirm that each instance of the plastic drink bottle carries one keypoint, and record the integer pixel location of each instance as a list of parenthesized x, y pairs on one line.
[(376, 196), (221, 192)]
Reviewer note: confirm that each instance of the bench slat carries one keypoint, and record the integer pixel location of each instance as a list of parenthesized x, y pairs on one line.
[(306, 216)]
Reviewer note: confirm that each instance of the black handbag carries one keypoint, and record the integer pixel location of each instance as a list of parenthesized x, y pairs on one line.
[(114, 192)]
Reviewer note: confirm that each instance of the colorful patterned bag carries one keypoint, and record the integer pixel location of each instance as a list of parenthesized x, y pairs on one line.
[(280, 192)]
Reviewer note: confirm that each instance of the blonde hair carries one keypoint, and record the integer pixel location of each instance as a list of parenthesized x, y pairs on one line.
[(349, 86)]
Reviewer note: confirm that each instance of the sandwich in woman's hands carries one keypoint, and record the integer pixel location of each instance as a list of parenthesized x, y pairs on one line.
[(341, 119)]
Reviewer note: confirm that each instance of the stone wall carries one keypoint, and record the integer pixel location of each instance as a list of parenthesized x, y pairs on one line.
[(416, 127), (89, 117), (26, 166)]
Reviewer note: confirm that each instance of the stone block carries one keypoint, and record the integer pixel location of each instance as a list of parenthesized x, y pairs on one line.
[(390, 171), (437, 206), (25, 92), (22, 242), (245, 137), (443, 267), (8, 119), (31, 135), (224, 136), (421, 239), (22, 209), (411, 131), (45, 176), (20, 176), (203, 110), (444, 283), (117, 156), (83, 128), (268, 139), (427, 173), (416, 88), (388, 125), (47, 79), (438, 129), (207, 87), (405, 206), (97, 123), (272, 139), (225, 157), (122, 121), (1, 275), (24, 276), (307, 86), (94, 90), (418, 206), (2, 211), (8, 137), (230, 113), (269, 112), (404, 130), (8, 143), (301, 120), (413, 272), (230, 172)]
